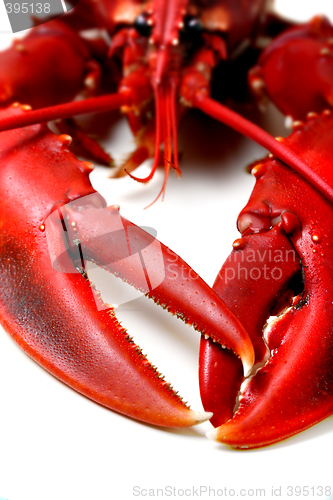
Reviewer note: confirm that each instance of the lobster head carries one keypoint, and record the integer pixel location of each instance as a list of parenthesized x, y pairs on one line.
[(169, 52)]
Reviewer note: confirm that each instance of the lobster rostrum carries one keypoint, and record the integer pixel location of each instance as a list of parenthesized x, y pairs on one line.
[(148, 37)]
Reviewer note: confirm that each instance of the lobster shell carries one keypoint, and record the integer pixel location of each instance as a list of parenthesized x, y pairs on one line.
[(76, 446)]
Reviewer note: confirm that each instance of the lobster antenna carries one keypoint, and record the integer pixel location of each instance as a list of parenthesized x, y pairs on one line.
[(202, 102), (282, 151), (93, 105)]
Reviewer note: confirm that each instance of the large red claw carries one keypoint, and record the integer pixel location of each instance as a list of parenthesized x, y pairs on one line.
[(54, 313), (254, 282), (294, 388), (114, 243)]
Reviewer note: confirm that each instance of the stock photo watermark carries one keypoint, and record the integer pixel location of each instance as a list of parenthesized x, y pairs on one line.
[(99, 238), (19, 15), (256, 265), (205, 491)]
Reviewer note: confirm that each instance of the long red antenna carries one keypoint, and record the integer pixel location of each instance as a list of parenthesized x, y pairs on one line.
[(201, 101), (281, 150), (93, 105)]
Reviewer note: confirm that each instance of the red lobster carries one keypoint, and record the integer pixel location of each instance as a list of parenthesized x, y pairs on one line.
[(265, 224)]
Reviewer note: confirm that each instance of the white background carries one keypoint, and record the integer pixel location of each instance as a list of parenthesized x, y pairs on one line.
[(4, 21), (55, 444)]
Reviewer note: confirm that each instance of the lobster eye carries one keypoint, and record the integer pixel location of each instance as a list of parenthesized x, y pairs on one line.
[(192, 26), (143, 25)]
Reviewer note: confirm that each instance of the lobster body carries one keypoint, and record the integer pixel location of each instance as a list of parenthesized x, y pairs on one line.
[(168, 53)]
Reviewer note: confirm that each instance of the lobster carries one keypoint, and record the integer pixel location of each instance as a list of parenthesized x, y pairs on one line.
[(221, 371)]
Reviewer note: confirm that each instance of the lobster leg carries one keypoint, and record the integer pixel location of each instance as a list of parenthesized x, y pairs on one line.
[(53, 315), (294, 390)]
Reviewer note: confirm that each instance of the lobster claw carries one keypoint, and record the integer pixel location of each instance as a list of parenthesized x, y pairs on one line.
[(49, 306), (292, 389), (255, 281)]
